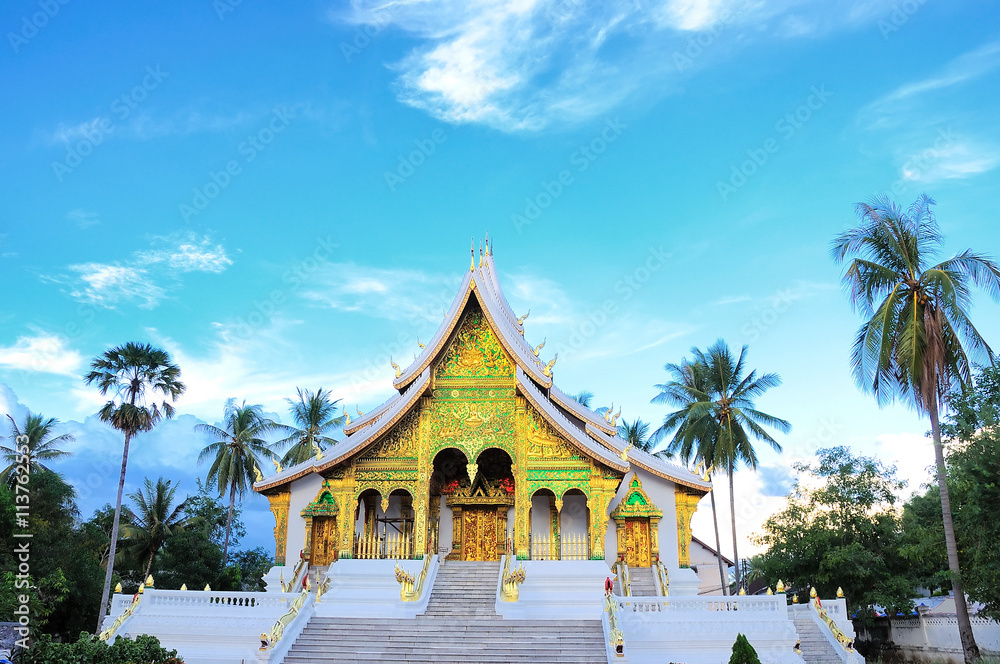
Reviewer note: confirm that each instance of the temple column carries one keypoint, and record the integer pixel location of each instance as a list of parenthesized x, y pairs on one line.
[(279, 507)]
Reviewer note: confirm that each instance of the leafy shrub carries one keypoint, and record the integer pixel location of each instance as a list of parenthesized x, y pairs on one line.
[(91, 650)]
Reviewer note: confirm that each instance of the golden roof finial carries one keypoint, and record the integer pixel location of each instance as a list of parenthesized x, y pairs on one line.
[(319, 452), (347, 415), (607, 413), (277, 466), (472, 261), (399, 372), (614, 418), (480, 253), (539, 347), (258, 477), (420, 344), (548, 367), (624, 454), (360, 414), (489, 252), (520, 321)]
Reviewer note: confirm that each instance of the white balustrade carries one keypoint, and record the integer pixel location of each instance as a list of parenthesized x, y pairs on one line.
[(735, 608)]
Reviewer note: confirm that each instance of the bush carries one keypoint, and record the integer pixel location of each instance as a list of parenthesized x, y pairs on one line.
[(743, 652), (91, 650)]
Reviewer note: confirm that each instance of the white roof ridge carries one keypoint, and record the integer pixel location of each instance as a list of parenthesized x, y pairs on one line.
[(648, 462), (583, 412)]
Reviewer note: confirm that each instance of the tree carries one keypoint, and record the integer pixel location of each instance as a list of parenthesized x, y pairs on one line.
[(134, 374), (721, 414), (743, 652), (910, 346), (253, 565), (973, 460), (695, 436), (153, 522), (236, 453), (32, 443), (316, 417), (583, 398), (840, 528)]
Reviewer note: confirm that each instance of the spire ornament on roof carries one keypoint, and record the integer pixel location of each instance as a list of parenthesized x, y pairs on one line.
[(360, 414), (399, 372), (548, 367), (472, 261), (520, 321), (257, 474), (539, 347), (319, 452), (607, 413), (480, 254), (277, 466), (348, 420), (420, 344), (614, 418)]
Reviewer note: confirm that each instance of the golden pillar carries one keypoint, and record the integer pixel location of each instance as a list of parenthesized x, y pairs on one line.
[(279, 508), (686, 503)]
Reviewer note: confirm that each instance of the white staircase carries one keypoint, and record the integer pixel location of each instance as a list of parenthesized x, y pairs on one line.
[(816, 648), (643, 581), (460, 625)]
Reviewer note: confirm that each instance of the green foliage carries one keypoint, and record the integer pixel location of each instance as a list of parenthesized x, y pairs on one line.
[(315, 414), (40, 445), (973, 471), (743, 652), (840, 528), (89, 649), (253, 564), (152, 523)]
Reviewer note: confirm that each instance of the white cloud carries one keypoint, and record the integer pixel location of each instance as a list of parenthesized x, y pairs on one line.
[(44, 352), (187, 252), (138, 279), (528, 64), (106, 285)]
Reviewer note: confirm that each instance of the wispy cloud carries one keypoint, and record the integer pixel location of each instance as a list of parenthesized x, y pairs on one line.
[(524, 65), (146, 277), (43, 352), (83, 218), (929, 127)]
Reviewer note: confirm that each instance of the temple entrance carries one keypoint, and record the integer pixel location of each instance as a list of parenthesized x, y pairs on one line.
[(483, 533), (479, 496), (324, 541), (637, 544)]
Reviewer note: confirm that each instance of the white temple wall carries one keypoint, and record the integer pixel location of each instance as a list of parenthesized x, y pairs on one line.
[(304, 491), (661, 492)]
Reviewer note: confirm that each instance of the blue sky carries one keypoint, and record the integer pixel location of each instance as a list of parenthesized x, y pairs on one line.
[(285, 196)]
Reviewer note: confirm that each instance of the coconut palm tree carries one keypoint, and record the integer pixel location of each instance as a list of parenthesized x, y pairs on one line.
[(154, 520), (236, 454), (912, 345), (695, 439), (583, 398), (315, 414), (637, 435), (724, 413), (135, 375), (32, 443)]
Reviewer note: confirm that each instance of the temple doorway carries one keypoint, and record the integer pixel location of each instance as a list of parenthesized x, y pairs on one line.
[(479, 496), (638, 552)]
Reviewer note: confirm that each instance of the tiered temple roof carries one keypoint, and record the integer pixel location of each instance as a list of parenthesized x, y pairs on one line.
[(588, 431)]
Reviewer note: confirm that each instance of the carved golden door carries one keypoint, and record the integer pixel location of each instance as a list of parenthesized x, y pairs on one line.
[(637, 550), (324, 541), (479, 533)]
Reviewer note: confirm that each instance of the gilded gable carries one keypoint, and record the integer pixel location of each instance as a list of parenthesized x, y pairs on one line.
[(474, 351)]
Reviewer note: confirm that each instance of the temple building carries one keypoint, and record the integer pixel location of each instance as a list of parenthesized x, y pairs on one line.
[(479, 452)]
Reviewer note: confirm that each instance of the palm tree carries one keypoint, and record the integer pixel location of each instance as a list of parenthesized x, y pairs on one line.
[(583, 398), (637, 435), (316, 416), (692, 438), (154, 521), (724, 413), (236, 453), (910, 346), (33, 440), (133, 374)]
